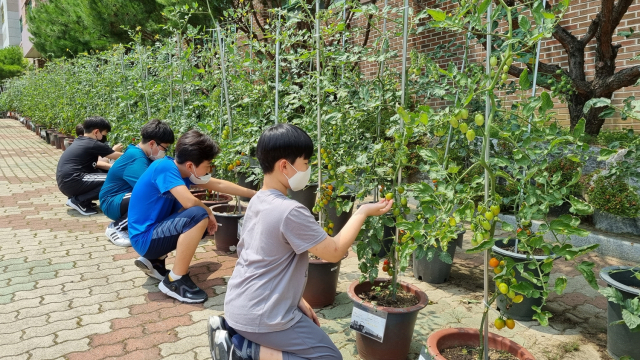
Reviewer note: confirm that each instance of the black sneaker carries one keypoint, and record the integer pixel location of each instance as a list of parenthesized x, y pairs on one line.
[(154, 268), (82, 209), (217, 323), (220, 345), (183, 289)]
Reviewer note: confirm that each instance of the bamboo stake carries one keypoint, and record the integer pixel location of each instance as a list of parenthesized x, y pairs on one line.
[(319, 119), (277, 66), (487, 113)]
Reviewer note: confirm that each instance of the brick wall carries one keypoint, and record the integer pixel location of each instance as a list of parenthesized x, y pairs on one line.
[(576, 20)]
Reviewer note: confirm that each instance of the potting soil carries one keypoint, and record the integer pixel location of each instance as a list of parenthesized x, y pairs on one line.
[(471, 353)]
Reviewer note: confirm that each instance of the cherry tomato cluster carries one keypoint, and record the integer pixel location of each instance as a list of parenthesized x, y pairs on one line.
[(400, 208), (493, 61), (234, 164), (386, 267), (504, 284), (225, 132), (327, 161), (501, 322), (325, 196), (483, 222)]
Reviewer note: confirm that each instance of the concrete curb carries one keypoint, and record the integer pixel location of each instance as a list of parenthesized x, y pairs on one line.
[(610, 244)]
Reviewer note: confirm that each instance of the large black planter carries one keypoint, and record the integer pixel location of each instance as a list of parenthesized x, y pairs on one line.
[(322, 282), (306, 196), (620, 340), (341, 220), (242, 181), (226, 237), (435, 271), (523, 310)]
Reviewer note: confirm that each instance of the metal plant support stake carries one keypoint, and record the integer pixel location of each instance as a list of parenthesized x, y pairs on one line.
[(224, 80), (277, 65), (535, 69), (344, 19), (125, 79), (170, 84), (319, 120), (487, 113)]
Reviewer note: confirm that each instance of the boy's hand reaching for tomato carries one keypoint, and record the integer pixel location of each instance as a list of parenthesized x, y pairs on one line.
[(380, 208)]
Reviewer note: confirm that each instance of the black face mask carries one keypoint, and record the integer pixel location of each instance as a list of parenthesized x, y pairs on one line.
[(104, 139)]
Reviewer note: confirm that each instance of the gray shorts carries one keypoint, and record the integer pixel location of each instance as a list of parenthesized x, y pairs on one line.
[(304, 340)]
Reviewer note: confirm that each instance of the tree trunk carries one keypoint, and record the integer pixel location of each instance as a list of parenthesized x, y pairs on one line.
[(593, 123)]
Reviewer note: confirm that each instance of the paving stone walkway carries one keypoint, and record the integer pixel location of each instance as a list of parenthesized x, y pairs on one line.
[(67, 293)]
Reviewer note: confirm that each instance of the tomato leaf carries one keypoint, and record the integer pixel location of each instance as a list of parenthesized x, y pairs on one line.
[(580, 207), (632, 321), (437, 14), (586, 268), (561, 284), (524, 76)]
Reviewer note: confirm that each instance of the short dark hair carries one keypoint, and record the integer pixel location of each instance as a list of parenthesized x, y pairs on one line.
[(158, 131), (96, 122), (196, 147), (79, 130), (282, 141)]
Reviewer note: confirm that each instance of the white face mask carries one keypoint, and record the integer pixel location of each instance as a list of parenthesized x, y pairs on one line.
[(199, 180), (300, 179), (160, 155)]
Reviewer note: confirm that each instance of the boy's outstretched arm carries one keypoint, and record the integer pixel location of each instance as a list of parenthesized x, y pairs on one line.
[(227, 187), (334, 248)]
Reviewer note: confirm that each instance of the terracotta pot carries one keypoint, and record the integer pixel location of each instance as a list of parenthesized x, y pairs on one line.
[(322, 283), (448, 338), (53, 138), (221, 199), (226, 237), (399, 326)]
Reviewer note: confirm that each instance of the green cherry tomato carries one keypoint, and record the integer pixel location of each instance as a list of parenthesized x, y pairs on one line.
[(479, 119), (463, 128)]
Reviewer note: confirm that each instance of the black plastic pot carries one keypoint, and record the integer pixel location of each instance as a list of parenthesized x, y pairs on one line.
[(435, 271), (48, 133), (620, 340), (339, 221), (523, 310), (226, 236), (322, 283), (399, 326), (214, 199), (306, 196), (242, 181)]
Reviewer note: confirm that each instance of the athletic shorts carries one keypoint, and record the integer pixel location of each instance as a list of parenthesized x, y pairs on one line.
[(164, 237), (304, 340)]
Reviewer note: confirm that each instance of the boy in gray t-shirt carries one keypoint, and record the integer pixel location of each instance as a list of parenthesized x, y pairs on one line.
[(265, 314)]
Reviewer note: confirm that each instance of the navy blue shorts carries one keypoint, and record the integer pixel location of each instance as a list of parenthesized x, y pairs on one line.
[(164, 237)]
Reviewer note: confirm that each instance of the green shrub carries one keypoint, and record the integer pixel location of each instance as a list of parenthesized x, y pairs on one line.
[(613, 195), (567, 168)]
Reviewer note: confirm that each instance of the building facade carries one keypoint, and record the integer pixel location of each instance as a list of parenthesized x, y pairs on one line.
[(28, 49), (9, 23)]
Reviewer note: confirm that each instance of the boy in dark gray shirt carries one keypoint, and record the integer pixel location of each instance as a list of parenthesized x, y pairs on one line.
[(265, 314)]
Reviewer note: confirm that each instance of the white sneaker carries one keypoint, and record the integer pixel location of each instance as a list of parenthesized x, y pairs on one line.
[(117, 237)]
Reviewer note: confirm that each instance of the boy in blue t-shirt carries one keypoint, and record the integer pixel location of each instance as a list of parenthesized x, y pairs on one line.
[(165, 216), (115, 194), (266, 316)]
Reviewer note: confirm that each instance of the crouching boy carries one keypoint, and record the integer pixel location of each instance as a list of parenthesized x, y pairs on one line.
[(165, 216), (265, 314)]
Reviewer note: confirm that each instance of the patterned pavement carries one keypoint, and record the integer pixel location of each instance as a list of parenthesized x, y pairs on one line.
[(67, 293)]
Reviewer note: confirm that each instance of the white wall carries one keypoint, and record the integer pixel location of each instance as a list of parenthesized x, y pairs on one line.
[(11, 24)]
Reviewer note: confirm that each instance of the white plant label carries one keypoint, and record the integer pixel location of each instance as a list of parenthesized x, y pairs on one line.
[(368, 322)]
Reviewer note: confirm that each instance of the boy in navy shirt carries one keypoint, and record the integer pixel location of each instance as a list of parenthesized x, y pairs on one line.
[(115, 195), (79, 174), (165, 216)]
